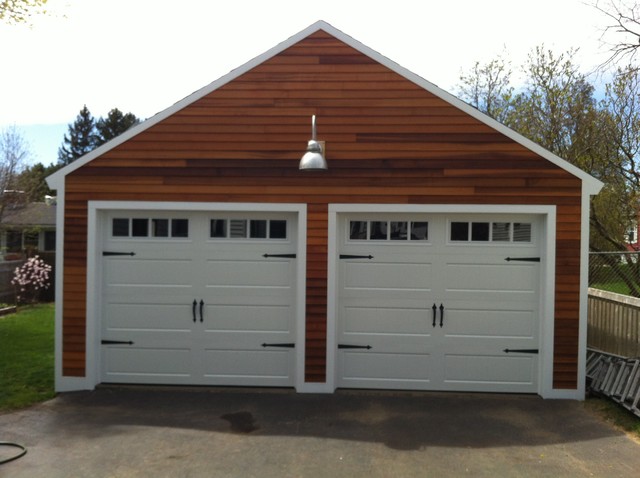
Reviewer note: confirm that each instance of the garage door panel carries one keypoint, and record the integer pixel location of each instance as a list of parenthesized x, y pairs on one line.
[(147, 273), (148, 317), (269, 318), (487, 297), (364, 367), (271, 366), (503, 278), (386, 320), (236, 295), (248, 273), (132, 363), (242, 339), (490, 323), (489, 369), (386, 276), (391, 343)]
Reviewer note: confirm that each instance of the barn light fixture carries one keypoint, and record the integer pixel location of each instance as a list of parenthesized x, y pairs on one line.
[(314, 158)]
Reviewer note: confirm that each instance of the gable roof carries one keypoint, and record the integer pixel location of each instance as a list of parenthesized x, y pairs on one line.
[(590, 184)]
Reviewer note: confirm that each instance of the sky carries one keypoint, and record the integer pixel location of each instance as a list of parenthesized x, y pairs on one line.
[(142, 56)]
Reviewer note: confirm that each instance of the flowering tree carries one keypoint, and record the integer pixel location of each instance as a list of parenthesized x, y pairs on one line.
[(30, 279)]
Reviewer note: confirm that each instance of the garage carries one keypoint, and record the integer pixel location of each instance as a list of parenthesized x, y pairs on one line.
[(322, 218), (200, 298), (439, 302)]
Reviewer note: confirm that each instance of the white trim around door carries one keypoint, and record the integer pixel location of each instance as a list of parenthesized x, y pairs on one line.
[(96, 213), (547, 219)]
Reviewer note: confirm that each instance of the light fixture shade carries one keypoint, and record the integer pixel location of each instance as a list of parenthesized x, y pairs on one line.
[(314, 158)]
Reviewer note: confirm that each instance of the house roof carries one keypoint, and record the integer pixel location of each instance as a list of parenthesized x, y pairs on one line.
[(32, 214), (590, 184)]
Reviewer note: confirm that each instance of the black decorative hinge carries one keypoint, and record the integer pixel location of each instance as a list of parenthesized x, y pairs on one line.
[(116, 342), (288, 256), (110, 253), (521, 351), (349, 256), (524, 259), (286, 346), (348, 346)]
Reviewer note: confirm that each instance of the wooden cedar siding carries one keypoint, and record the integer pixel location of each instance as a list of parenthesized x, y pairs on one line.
[(388, 141)]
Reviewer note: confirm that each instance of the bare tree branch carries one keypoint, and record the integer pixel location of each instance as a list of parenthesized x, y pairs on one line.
[(622, 35)]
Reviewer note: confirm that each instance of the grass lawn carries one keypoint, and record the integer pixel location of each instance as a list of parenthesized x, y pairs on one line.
[(26, 357), (617, 286), (615, 415)]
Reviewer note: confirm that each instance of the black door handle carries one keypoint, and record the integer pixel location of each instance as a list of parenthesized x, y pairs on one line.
[(201, 307), (193, 309), (434, 308), (441, 314)]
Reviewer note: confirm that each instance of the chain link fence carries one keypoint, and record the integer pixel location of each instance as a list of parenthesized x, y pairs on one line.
[(614, 303), (617, 272)]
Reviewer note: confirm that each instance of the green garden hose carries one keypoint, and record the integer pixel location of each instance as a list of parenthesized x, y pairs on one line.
[(21, 453)]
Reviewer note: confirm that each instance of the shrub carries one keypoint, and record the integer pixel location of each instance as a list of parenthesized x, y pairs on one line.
[(30, 280)]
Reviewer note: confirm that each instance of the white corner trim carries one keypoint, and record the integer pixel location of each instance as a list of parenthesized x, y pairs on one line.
[(584, 291), (60, 384)]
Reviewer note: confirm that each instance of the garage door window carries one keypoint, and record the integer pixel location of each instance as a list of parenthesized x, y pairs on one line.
[(489, 231), (145, 228), (388, 230), (248, 229)]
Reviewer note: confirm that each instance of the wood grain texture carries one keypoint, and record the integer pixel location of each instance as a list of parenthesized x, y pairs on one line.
[(388, 141)]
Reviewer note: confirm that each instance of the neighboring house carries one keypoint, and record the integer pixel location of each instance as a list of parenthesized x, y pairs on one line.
[(28, 229), (439, 250)]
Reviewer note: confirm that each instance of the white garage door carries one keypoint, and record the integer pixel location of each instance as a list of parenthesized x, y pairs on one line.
[(436, 302), (199, 298)]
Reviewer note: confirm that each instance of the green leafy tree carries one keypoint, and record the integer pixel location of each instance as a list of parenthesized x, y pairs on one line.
[(18, 11), (86, 133), (32, 180), (81, 138), (557, 109), (114, 125)]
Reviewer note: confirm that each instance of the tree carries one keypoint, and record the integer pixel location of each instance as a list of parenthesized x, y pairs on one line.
[(618, 169), (557, 109), (86, 134), (623, 29), (556, 105), (81, 138), (487, 88), (14, 152), (114, 125), (17, 11), (32, 181)]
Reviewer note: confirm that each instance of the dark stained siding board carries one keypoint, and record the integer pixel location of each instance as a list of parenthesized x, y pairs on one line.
[(388, 141)]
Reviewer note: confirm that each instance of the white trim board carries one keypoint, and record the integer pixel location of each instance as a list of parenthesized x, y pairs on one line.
[(592, 185)]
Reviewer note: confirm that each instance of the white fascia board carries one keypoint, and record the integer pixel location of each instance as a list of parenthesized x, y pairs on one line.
[(594, 185)]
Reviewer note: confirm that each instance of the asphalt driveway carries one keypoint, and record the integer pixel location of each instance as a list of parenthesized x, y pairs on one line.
[(139, 432)]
